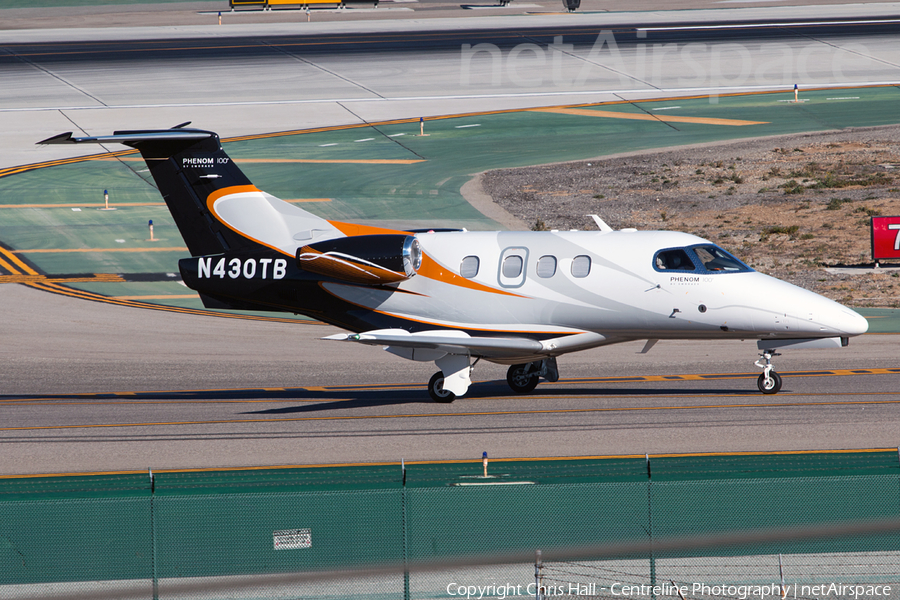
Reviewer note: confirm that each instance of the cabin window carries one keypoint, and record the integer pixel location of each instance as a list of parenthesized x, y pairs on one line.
[(581, 266), (512, 266), (546, 266), (673, 260), (468, 268)]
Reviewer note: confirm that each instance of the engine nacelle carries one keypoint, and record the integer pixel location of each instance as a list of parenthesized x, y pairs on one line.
[(369, 259)]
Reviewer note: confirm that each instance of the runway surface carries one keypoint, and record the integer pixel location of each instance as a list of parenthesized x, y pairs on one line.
[(107, 388), (247, 79), (92, 387)]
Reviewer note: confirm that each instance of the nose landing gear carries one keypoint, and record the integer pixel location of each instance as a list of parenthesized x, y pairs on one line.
[(769, 382)]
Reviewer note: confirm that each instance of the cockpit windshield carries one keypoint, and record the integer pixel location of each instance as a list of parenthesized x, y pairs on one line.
[(714, 258), (704, 257)]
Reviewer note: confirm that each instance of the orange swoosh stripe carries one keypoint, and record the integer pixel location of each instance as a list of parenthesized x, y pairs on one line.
[(352, 229), (234, 189), (228, 191), (434, 270), (430, 268)]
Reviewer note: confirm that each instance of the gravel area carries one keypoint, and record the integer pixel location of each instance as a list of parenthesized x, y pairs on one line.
[(790, 206)]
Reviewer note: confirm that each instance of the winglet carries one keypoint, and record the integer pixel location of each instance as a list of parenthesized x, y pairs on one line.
[(62, 138), (338, 337)]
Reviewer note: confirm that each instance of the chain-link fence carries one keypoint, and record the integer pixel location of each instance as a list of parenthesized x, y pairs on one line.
[(636, 527), (757, 577)]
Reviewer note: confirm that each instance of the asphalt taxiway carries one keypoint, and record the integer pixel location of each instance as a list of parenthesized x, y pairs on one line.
[(89, 386)]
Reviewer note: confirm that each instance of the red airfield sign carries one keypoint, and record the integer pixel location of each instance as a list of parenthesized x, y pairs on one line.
[(885, 237)]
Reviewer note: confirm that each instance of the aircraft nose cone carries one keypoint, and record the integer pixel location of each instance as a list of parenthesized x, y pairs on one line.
[(840, 320), (853, 323), (819, 315)]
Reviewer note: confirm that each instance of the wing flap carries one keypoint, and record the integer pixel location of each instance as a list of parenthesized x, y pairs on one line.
[(451, 342)]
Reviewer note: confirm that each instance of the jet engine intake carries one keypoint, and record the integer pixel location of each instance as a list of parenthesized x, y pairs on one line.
[(367, 259)]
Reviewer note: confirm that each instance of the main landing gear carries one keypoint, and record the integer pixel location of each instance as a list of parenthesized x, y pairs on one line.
[(769, 381), (525, 377), (436, 389), (521, 378)]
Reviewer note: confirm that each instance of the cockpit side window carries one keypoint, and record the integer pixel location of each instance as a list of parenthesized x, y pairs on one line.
[(673, 260), (715, 259)]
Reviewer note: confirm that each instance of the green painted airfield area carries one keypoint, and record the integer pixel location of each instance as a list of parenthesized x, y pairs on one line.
[(57, 233)]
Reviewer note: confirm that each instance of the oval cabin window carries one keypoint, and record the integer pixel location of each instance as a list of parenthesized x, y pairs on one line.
[(512, 266), (469, 267), (581, 266), (546, 266)]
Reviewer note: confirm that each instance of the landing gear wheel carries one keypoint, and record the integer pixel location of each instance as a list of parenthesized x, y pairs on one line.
[(436, 389), (520, 380), (770, 384)]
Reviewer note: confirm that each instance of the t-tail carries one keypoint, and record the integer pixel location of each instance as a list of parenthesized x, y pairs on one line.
[(208, 195), (244, 241)]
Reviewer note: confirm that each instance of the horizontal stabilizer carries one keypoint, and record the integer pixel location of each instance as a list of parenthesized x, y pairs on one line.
[(129, 138)]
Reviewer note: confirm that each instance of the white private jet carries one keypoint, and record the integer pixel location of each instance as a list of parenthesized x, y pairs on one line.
[(454, 296)]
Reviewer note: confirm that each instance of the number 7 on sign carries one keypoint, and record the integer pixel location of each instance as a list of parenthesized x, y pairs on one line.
[(896, 227)]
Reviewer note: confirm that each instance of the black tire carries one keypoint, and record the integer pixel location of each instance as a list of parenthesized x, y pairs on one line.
[(520, 381), (436, 389), (771, 385)]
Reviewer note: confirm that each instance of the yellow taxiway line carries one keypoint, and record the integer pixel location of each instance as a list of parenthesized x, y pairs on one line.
[(336, 161), (609, 114), (123, 205), (20, 272), (193, 296), (90, 205), (102, 398), (64, 250), (555, 411)]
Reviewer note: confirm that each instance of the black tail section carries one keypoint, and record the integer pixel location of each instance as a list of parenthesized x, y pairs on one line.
[(243, 243), (189, 167)]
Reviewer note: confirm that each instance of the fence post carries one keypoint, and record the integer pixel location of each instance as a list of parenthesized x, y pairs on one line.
[(153, 536), (538, 575), (650, 526), (405, 539), (781, 575)]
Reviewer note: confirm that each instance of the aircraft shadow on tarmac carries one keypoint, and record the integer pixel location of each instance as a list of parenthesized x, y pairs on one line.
[(486, 391), (320, 400)]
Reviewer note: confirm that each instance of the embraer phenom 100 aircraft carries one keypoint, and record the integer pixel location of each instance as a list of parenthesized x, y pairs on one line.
[(518, 298)]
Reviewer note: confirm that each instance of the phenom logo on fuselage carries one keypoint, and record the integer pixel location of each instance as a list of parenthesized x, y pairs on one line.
[(684, 279), (197, 160)]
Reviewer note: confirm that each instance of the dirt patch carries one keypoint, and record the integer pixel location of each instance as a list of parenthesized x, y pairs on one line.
[(789, 206)]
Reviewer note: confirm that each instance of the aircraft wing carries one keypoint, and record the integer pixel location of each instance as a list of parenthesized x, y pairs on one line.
[(449, 342)]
